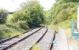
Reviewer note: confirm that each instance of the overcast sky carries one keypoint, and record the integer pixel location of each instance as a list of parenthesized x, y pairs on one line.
[(12, 5)]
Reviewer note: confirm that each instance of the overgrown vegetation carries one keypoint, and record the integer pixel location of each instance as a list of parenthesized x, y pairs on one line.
[(64, 10), (30, 15)]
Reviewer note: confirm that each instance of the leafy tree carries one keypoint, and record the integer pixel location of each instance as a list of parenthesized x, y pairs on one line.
[(63, 11), (31, 13), (3, 15)]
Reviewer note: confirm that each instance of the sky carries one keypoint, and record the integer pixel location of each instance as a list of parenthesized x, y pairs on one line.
[(13, 5)]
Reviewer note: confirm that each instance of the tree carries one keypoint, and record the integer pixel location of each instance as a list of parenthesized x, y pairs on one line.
[(63, 11), (3, 15), (31, 13)]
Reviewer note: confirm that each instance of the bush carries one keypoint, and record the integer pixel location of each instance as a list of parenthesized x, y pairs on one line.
[(23, 25)]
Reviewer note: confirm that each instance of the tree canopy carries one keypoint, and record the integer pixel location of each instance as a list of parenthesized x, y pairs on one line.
[(31, 13), (63, 10)]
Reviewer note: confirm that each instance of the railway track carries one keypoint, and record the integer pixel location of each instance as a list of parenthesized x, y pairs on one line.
[(53, 39), (27, 43), (6, 44), (41, 37), (3, 41), (46, 42)]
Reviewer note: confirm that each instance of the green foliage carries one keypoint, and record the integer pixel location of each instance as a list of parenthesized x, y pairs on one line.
[(65, 11), (47, 18), (3, 14), (9, 18), (31, 13), (35, 17), (9, 31)]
